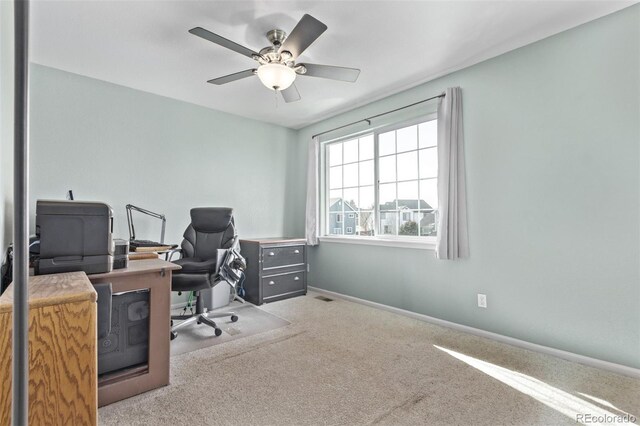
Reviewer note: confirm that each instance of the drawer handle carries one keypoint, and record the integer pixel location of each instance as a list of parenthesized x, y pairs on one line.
[(296, 278), (296, 251), (272, 282), (271, 253)]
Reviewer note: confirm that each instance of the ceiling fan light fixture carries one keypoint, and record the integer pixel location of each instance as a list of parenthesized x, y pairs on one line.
[(276, 76)]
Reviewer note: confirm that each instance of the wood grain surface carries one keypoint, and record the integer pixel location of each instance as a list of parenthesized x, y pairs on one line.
[(5, 367), (46, 290), (141, 256), (62, 355)]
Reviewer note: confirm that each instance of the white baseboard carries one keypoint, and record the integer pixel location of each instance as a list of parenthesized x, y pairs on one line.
[(570, 356)]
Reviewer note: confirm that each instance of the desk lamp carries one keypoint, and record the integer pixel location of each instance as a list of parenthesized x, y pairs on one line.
[(132, 233)]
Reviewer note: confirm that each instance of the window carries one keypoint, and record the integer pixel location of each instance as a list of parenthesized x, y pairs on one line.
[(384, 181)]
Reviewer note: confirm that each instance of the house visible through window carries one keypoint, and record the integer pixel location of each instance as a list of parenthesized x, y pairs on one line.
[(383, 183)]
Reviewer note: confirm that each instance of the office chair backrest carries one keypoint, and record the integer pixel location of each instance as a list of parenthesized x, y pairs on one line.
[(211, 228)]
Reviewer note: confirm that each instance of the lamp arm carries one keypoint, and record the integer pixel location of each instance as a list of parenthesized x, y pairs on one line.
[(132, 233)]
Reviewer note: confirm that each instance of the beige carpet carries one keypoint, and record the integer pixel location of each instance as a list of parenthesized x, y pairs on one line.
[(340, 363)]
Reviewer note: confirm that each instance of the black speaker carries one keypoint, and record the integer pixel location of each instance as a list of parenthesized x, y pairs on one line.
[(120, 254)]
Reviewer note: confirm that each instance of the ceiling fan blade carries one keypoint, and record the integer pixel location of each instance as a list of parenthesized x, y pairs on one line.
[(290, 94), (305, 32), (215, 38), (334, 73), (232, 77)]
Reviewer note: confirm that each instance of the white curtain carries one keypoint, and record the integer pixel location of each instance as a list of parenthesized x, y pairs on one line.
[(453, 239), (312, 220)]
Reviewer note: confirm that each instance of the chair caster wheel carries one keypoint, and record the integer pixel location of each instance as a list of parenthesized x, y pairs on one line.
[(218, 332), (198, 322), (234, 318), (173, 335)]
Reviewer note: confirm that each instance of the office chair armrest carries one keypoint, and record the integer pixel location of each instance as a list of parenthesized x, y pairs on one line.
[(168, 256)]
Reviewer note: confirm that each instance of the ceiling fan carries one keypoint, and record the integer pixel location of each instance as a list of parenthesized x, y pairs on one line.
[(278, 68)]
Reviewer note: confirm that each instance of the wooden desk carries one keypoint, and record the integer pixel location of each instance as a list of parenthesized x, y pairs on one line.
[(155, 275), (62, 350)]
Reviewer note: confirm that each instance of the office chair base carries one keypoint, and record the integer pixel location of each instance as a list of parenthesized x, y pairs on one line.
[(202, 318)]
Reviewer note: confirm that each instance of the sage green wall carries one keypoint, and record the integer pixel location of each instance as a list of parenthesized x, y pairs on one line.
[(118, 145), (552, 148)]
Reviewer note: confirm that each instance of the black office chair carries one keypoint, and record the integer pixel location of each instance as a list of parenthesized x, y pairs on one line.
[(210, 229)]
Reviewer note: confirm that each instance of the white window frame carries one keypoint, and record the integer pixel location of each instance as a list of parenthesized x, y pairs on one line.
[(418, 242)]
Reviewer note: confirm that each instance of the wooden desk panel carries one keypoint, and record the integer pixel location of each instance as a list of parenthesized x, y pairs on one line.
[(62, 350), (155, 275)]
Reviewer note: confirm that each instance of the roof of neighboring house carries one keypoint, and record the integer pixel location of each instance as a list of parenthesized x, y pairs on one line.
[(335, 204), (406, 204)]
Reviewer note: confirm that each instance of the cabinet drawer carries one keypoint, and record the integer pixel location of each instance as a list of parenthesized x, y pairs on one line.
[(276, 285), (276, 257)]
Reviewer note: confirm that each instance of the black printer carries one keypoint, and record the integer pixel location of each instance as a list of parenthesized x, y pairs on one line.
[(74, 236)]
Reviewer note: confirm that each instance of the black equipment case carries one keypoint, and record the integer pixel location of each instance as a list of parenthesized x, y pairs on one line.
[(74, 236)]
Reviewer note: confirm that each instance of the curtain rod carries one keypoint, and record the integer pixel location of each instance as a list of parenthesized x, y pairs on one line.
[(368, 119)]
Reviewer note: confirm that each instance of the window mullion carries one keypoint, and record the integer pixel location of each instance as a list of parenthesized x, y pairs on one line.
[(376, 182), (419, 204), (397, 207), (357, 216), (327, 217), (342, 188)]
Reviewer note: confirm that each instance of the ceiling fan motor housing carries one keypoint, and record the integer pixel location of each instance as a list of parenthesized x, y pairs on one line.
[(276, 37), (271, 54)]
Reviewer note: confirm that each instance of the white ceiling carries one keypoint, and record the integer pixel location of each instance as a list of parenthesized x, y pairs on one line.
[(397, 44)]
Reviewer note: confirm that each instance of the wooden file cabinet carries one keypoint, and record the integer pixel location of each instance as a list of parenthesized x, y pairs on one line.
[(276, 269), (62, 351)]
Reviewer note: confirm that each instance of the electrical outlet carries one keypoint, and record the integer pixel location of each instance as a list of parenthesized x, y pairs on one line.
[(482, 300)]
